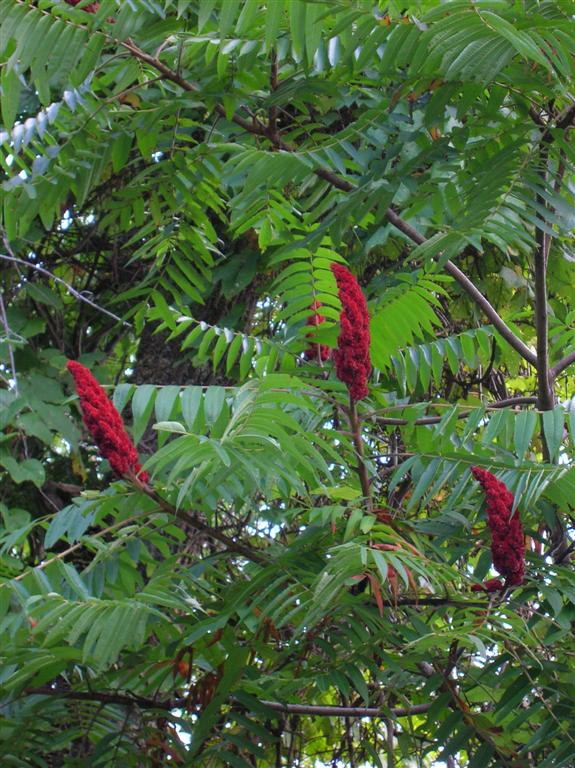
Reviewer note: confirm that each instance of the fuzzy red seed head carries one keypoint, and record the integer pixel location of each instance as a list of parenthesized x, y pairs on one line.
[(183, 668), (491, 585), (507, 546), (316, 351), (352, 362), (105, 424), (89, 8), (384, 516)]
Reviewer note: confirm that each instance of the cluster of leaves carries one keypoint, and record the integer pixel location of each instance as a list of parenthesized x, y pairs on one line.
[(177, 179)]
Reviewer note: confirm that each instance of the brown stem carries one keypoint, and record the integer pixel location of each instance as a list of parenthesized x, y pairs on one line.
[(8, 334), (505, 758), (546, 398), (72, 548), (565, 119), (389, 736), (544, 388), (468, 286), (316, 710), (348, 734), (273, 111), (509, 401), (561, 365), (72, 291), (190, 519), (417, 602), (355, 427), (252, 126), (570, 358), (320, 710)]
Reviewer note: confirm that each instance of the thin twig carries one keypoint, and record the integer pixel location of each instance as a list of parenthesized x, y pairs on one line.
[(546, 400), (316, 710), (8, 332), (192, 520), (70, 549), (559, 367), (67, 286), (355, 427), (348, 735), (389, 737), (273, 111), (504, 756), (425, 420)]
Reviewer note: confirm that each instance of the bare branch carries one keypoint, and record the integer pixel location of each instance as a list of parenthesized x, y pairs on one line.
[(561, 365), (316, 710), (355, 427), (385, 421), (546, 399), (333, 711), (72, 291), (514, 341), (8, 332), (193, 521), (72, 548), (566, 118)]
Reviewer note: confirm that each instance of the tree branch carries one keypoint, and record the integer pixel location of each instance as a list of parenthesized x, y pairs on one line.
[(424, 420), (76, 294), (546, 399), (566, 118), (316, 710), (259, 129), (68, 551), (520, 400), (273, 111), (489, 310), (254, 126), (8, 332), (561, 365), (234, 546), (505, 756), (333, 711), (355, 427)]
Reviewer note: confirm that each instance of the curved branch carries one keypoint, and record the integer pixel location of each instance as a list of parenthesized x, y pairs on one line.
[(505, 331), (250, 553), (559, 367), (355, 426), (257, 128), (540, 257), (520, 400), (76, 294), (331, 711), (387, 421), (317, 710), (8, 336)]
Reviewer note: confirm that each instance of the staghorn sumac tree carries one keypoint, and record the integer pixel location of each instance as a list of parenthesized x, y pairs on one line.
[(310, 264)]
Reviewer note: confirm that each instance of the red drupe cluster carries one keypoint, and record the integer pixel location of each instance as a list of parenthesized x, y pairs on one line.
[(352, 363), (105, 424), (507, 546), (491, 585), (90, 8), (316, 351)]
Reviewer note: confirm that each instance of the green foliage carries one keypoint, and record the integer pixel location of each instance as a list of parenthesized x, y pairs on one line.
[(177, 179)]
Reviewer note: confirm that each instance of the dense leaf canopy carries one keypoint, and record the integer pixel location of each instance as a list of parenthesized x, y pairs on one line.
[(305, 579)]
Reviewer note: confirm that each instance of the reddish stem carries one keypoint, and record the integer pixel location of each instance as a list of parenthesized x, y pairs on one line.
[(355, 428)]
